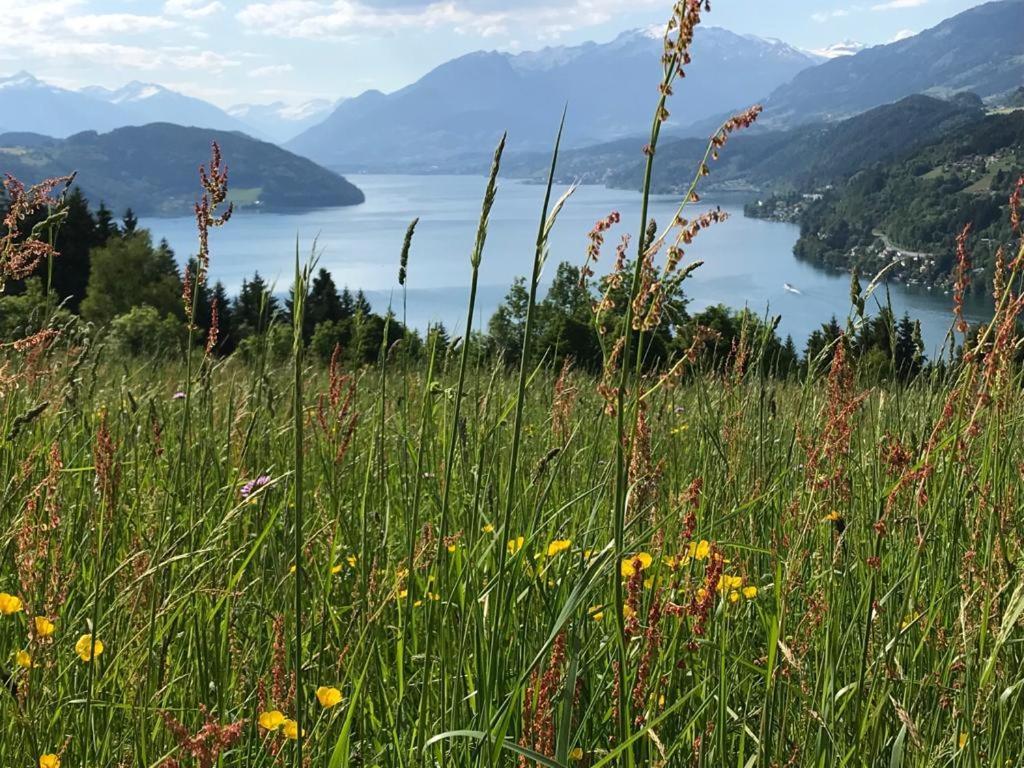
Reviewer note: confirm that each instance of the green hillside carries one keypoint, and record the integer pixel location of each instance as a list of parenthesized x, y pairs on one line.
[(122, 169)]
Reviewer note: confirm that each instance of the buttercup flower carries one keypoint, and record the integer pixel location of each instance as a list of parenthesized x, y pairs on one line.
[(514, 545), (626, 567), (9, 604), (271, 720), (291, 729), (558, 545), (87, 648), (49, 760), (328, 697), (23, 659), (44, 627)]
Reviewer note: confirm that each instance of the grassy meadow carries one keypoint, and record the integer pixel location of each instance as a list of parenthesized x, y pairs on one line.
[(446, 561)]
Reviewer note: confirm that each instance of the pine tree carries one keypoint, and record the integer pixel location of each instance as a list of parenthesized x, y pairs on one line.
[(129, 222)]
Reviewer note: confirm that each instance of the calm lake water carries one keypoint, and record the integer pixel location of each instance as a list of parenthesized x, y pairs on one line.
[(746, 261)]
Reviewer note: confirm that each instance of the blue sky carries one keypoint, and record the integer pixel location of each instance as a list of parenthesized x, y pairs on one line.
[(232, 51)]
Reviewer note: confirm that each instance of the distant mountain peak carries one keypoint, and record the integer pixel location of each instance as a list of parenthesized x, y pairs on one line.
[(836, 50), (21, 79)]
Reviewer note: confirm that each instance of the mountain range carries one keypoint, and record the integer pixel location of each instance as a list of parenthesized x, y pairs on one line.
[(30, 105), (803, 157), (980, 50), (464, 105), (121, 169)]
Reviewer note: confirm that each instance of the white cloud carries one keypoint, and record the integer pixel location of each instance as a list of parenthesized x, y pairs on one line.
[(192, 9), (823, 16), (903, 34), (115, 23), (271, 70), (895, 5), (326, 19)]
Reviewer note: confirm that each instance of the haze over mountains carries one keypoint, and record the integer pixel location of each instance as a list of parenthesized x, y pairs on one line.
[(30, 105), (464, 105)]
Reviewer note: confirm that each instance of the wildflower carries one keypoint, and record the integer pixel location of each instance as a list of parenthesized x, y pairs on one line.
[(49, 760), (452, 547), (328, 697), (252, 486), (9, 604), (596, 612), (558, 545), (23, 659), (291, 729), (291, 568), (963, 740), (514, 545), (699, 550), (272, 720), (750, 592), (734, 596), (728, 582), (488, 528), (576, 754), (832, 517), (44, 627), (629, 566), (352, 560), (335, 569), (87, 648), (179, 395)]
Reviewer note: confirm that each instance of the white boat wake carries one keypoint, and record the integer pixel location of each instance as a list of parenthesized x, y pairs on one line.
[(792, 289)]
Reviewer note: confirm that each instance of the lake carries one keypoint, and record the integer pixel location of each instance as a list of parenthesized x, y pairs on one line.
[(747, 262)]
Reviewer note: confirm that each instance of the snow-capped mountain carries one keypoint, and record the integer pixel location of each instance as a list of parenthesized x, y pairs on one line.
[(463, 105), (142, 103), (844, 48)]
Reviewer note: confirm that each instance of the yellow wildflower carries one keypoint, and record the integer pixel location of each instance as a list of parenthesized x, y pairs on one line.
[(627, 568), (328, 697), (514, 545), (728, 582), (291, 568), (558, 545), (701, 550), (352, 560), (291, 729), (488, 528), (335, 569), (9, 604), (452, 547), (596, 612), (832, 517), (628, 612), (734, 596), (44, 627), (272, 720), (49, 760), (750, 592), (87, 648), (963, 740), (23, 659), (576, 754)]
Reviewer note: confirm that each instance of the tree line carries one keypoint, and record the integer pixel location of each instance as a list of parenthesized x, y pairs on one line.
[(112, 274)]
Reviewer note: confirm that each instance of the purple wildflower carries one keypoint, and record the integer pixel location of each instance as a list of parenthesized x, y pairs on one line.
[(179, 395), (254, 485)]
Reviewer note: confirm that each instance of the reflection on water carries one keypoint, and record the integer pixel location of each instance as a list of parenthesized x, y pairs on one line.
[(747, 262)]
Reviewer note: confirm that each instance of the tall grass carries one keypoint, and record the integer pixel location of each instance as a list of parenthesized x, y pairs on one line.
[(481, 567)]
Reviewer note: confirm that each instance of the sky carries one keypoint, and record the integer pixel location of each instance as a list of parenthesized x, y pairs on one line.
[(261, 51)]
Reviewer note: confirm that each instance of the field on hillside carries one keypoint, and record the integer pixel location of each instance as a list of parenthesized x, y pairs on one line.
[(683, 557), (808, 574)]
